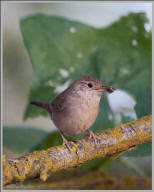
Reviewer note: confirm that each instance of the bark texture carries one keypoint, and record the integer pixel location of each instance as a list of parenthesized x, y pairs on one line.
[(45, 162)]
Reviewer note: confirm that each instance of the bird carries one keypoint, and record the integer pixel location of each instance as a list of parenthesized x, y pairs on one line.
[(75, 109)]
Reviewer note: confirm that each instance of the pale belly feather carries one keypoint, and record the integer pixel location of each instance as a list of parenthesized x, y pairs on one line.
[(77, 119)]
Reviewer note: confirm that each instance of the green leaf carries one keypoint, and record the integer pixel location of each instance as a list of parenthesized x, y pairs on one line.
[(120, 55), (141, 150), (38, 92), (50, 140), (22, 139), (53, 139)]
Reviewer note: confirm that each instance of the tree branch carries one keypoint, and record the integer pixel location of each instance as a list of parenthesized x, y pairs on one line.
[(112, 141)]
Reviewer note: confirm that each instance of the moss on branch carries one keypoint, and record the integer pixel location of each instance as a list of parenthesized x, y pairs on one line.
[(45, 162)]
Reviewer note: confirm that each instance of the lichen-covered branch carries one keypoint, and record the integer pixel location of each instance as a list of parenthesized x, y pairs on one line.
[(45, 162)]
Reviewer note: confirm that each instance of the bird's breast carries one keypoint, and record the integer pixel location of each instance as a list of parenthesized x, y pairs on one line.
[(77, 117)]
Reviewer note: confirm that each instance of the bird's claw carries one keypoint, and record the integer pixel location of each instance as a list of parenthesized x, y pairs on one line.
[(67, 144), (95, 137)]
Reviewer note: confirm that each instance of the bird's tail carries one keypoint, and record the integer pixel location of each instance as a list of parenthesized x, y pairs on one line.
[(41, 104)]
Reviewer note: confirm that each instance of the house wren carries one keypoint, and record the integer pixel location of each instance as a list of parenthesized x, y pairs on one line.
[(75, 110)]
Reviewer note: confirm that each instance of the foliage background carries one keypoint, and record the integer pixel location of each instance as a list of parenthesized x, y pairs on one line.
[(19, 75)]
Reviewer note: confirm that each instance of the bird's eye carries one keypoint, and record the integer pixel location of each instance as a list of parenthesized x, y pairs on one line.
[(90, 85)]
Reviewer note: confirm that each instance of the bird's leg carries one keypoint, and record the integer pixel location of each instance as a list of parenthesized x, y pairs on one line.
[(95, 137), (65, 142)]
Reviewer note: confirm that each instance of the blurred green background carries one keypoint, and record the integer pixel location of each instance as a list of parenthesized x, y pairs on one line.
[(42, 54)]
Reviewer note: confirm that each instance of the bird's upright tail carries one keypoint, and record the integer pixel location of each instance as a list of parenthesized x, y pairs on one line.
[(41, 104)]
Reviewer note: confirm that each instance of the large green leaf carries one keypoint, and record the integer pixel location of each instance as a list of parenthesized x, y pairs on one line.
[(39, 92), (21, 139), (120, 55), (141, 150)]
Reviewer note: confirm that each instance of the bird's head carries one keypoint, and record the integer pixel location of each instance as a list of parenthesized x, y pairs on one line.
[(92, 86)]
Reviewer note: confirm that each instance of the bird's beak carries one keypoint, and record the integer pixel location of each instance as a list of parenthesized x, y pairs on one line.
[(105, 88)]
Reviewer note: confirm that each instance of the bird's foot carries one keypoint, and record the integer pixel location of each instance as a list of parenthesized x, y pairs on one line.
[(67, 143), (93, 136)]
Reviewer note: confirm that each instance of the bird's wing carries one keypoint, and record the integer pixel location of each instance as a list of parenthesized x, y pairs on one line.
[(59, 103)]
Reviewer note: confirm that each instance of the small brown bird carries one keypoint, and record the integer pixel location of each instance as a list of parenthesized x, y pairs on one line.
[(75, 110)]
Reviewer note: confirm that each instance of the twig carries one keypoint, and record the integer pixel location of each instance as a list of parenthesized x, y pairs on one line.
[(112, 141)]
